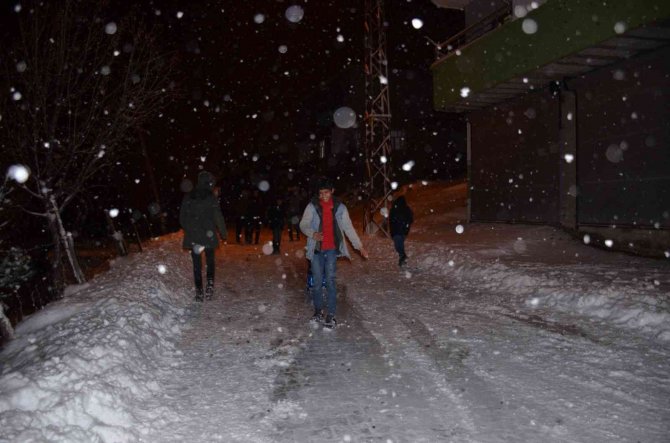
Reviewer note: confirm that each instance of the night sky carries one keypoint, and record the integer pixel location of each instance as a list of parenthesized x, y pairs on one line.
[(252, 90)]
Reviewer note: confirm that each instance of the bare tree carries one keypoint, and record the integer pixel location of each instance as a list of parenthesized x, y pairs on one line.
[(78, 86)]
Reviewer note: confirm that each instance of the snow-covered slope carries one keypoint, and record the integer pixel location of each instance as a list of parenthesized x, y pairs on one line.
[(492, 333)]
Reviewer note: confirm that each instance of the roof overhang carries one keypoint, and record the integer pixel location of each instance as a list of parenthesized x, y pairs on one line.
[(573, 37), (451, 4)]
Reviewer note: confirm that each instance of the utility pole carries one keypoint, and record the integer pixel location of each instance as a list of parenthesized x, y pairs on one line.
[(377, 119)]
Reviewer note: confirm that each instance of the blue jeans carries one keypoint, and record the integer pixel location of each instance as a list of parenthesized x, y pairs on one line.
[(323, 263)]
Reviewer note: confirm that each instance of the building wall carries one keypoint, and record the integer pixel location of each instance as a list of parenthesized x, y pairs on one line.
[(624, 143), (615, 121), (515, 161)]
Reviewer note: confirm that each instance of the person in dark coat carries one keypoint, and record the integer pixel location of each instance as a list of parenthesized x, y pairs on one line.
[(401, 218), (294, 207), (275, 217), (200, 216), (241, 209), (255, 213)]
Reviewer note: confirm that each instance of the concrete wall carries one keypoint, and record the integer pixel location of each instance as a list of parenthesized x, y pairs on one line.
[(624, 143), (594, 159), (514, 161)]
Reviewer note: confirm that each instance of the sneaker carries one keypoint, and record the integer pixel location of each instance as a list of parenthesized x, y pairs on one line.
[(402, 260), (330, 322), (318, 316), (198, 294), (209, 290)]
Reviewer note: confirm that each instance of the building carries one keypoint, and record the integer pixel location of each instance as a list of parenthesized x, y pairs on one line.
[(567, 104)]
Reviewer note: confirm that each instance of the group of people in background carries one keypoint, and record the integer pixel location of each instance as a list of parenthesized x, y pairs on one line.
[(251, 213), (324, 220)]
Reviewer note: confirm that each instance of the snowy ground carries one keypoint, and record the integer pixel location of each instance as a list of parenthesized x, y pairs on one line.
[(503, 333)]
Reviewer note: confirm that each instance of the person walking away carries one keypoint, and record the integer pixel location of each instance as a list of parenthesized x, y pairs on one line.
[(254, 219), (200, 216), (325, 222), (275, 217), (401, 218), (240, 215)]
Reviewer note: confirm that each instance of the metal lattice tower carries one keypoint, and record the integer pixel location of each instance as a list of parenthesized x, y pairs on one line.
[(377, 117)]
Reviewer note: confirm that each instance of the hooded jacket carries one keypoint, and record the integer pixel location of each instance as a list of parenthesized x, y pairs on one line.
[(401, 217), (200, 215), (311, 223)]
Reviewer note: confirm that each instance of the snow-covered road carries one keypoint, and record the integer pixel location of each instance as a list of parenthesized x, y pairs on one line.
[(499, 334)]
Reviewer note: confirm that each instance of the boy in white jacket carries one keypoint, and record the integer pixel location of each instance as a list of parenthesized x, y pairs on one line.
[(325, 222)]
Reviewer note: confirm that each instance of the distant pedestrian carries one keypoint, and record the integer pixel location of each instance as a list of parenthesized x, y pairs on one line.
[(325, 222), (293, 211), (241, 209), (200, 216), (401, 218), (254, 218), (275, 217)]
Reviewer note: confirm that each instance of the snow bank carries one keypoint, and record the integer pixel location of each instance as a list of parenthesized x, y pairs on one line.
[(81, 369), (635, 305)]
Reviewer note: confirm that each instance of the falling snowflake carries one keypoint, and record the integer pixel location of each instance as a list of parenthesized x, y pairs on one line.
[(110, 28), (619, 27), (263, 185), (18, 173), (344, 117), (529, 26), (294, 13)]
